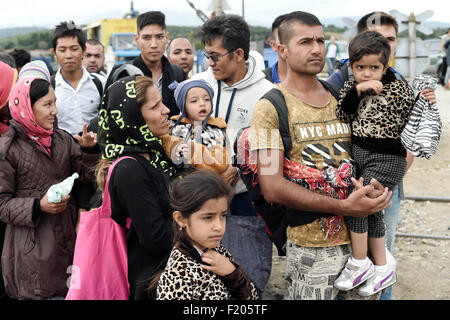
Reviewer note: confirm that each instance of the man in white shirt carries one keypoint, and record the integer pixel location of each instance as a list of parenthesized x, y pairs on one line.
[(78, 96)]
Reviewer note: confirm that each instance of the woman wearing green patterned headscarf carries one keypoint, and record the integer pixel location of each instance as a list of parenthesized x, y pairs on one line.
[(131, 121)]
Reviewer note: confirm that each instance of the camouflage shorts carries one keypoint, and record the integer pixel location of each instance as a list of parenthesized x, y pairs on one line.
[(311, 272)]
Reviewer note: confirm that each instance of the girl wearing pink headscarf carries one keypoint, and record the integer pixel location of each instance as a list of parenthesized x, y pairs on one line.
[(40, 235), (7, 80)]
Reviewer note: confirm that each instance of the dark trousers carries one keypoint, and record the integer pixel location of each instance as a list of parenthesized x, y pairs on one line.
[(247, 241)]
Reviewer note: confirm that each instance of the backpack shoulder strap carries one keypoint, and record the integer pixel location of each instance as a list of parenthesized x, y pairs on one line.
[(277, 99), (96, 80), (334, 90), (344, 71), (268, 73), (52, 81), (106, 196), (178, 73), (98, 84)]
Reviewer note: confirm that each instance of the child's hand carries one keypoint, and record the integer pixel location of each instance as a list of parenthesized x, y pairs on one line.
[(231, 175), (429, 95), (374, 85), (218, 263), (87, 139), (181, 150)]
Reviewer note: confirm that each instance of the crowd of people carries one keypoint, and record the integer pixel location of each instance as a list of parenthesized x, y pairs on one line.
[(195, 232)]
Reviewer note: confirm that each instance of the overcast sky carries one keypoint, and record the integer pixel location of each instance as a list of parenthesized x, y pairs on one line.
[(47, 13)]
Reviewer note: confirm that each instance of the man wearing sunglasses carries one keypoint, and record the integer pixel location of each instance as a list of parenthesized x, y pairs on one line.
[(238, 85)]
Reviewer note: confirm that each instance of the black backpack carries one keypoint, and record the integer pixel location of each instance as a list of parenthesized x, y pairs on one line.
[(273, 215)]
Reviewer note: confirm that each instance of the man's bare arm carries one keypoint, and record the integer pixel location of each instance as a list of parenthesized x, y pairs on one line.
[(276, 189)]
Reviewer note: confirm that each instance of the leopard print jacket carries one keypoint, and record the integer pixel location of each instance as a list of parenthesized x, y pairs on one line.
[(375, 117), (184, 278)]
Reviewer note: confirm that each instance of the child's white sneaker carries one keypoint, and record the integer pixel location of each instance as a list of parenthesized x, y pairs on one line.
[(378, 282), (353, 275)]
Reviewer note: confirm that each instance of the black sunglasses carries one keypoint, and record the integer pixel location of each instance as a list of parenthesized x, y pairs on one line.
[(215, 58)]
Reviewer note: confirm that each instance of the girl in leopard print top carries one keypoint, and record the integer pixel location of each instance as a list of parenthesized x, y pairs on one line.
[(378, 107), (199, 267)]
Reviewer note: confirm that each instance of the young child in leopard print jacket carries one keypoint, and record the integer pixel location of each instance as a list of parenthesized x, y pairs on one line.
[(378, 106), (199, 267)]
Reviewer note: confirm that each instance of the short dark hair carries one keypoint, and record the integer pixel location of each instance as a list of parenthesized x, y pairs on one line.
[(285, 28), (233, 30), (376, 17), (190, 193), (151, 17), (21, 57), (278, 20), (369, 42), (8, 59), (69, 29), (178, 37), (95, 42)]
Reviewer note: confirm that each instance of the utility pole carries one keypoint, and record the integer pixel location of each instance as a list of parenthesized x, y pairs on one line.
[(243, 10), (412, 56), (412, 45), (219, 8)]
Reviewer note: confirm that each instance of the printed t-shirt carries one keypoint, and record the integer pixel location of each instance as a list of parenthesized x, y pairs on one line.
[(319, 140)]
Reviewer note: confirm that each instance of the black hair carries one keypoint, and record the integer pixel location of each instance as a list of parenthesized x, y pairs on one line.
[(38, 89), (69, 29), (95, 42), (376, 17), (151, 17), (21, 57), (233, 30), (190, 193), (369, 42), (285, 29), (278, 20), (8, 59)]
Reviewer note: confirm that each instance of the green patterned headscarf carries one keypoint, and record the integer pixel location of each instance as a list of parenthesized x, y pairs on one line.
[(123, 130)]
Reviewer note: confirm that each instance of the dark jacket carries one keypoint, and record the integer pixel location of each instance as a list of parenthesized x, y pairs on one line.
[(170, 73), (140, 191), (38, 246)]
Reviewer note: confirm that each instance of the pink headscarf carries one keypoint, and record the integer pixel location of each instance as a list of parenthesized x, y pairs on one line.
[(21, 111), (7, 79)]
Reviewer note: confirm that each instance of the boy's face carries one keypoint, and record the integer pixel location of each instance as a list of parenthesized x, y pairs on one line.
[(369, 67), (152, 40), (69, 54), (198, 104)]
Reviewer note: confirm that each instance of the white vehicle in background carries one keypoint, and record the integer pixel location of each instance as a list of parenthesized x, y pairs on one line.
[(436, 59)]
